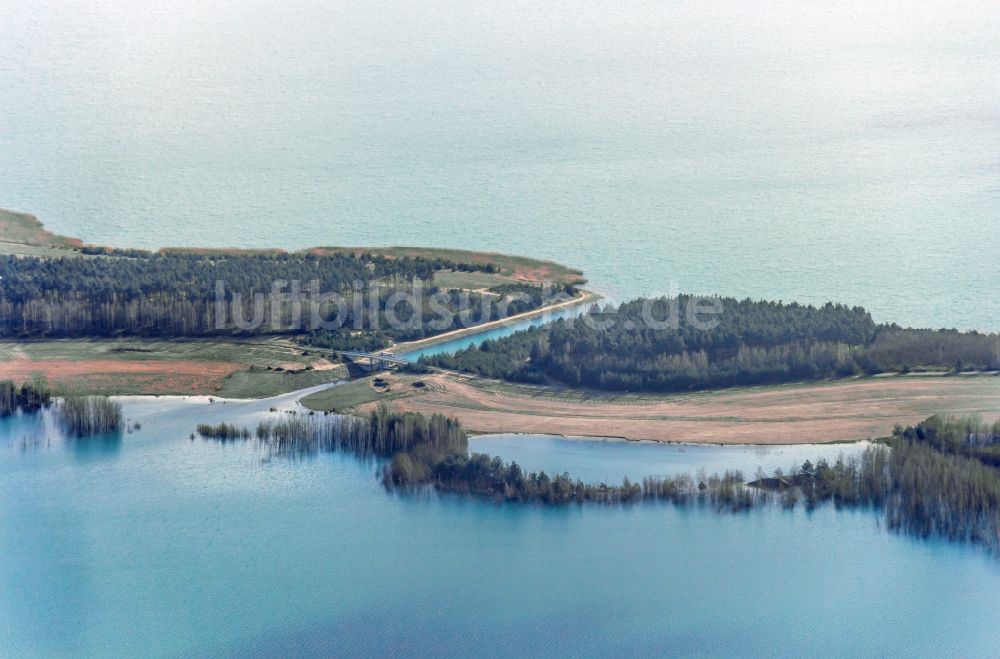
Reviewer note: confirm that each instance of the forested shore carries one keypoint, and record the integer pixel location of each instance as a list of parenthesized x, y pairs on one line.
[(333, 300), (750, 342), (934, 479), (645, 345), (440, 312)]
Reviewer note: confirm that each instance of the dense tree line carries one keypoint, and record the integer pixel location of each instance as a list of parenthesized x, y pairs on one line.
[(933, 493), (29, 397), (966, 436), (174, 293), (492, 478), (903, 350), (436, 311), (356, 340), (934, 479), (752, 342)]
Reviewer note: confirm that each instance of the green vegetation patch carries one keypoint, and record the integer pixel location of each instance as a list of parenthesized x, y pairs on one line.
[(473, 281), (257, 383), (353, 394)]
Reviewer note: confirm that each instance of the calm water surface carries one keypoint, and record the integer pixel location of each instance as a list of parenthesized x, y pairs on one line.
[(454, 345), (611, 460), (808, 151), (797, 150), (156, 544)]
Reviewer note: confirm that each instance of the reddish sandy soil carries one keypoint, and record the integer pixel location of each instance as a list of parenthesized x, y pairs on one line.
[(27, 229), (534, 275), (118, 375), (852, 410)]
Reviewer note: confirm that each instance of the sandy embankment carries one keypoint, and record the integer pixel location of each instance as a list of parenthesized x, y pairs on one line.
[(826, 412)]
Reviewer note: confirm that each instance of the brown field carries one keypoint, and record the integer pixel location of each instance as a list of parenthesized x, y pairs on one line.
[(825, 412), (233, 368), (154, 376)]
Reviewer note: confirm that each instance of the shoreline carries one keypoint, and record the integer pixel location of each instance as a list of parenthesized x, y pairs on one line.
[(237, 367), (263, 368), (669, 442), (409, 346), (293, 401)]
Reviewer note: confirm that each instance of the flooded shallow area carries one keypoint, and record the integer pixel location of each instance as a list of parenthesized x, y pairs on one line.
[(154, 543), (611, 460)]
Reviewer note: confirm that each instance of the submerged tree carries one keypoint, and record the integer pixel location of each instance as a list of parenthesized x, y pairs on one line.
[(223, 431), (936, 478), (29, 397), (383, 433), (83, 416)]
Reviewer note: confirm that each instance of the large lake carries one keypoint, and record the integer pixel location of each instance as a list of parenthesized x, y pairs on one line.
[(797, 150), (154, 544)]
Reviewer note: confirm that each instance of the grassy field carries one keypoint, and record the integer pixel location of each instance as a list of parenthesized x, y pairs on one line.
[(18, 249), (259, 352), (356, 393), (237, 369), (260, 383), (472, 281)]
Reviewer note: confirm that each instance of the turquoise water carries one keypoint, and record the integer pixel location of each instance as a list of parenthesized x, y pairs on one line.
[(797, 150), (611, 460), (808, 151), (154, 544), (454, 345)]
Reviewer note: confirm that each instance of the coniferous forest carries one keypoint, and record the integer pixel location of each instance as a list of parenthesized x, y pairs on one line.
[(630, 347), (175, 294), (753, 342)]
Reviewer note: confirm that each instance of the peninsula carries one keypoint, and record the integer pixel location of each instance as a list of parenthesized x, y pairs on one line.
[(771, 374)]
